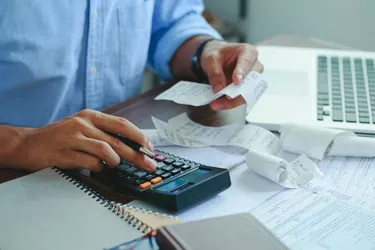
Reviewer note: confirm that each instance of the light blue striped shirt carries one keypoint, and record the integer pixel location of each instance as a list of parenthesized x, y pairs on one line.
[(58, 57)]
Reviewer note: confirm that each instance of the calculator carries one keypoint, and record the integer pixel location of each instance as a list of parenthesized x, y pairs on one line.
[(176, 185)]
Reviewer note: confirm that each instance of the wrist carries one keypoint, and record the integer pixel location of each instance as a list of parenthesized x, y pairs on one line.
[(196, 66), (13, 154)]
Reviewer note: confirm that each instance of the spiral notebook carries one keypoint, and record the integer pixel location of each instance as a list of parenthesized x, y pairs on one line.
[(51, 210)]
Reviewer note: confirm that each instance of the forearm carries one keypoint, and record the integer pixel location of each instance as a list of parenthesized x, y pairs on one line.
[(10, 139), (181, 61)]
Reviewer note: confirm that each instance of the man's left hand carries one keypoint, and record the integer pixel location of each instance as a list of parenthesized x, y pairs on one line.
[(225, 63)]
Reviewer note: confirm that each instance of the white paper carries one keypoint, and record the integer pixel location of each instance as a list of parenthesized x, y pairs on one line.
[(185, 127), (197, 94), (173, 137), (220, 157), (245, 136), (292, 174), (263, 145), (352, 176), (257, 138), (303, 219), (353, 145), (317, 142), (155, 138), (188, 93)]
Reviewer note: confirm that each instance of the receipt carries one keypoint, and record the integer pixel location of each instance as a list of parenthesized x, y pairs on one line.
[(255, 137), (197, 94), (155, 138), (245, 136), (262, 144), (265, 147), (292, 174), (171, 136), (316, 142), (216, 136)]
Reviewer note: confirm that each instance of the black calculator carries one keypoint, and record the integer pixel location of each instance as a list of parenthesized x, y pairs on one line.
[(176, 185)]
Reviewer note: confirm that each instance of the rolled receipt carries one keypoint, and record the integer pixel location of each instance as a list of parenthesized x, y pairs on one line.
[(198, 94), (290, 175), (317, 142)]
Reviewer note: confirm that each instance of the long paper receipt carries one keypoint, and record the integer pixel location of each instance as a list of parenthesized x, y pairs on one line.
[(198, 94), (263, 147)]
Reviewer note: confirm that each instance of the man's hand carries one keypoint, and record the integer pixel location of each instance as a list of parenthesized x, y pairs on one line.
[(225, 63), (81, 141)]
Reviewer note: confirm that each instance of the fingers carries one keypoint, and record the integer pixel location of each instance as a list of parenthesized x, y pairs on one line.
[(216, 76), (102, 141), (116, 125), (224, 103), (75, 159), (101, 149), (246, 59)]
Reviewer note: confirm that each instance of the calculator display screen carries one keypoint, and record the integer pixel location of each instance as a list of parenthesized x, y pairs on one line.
[(182, 180)]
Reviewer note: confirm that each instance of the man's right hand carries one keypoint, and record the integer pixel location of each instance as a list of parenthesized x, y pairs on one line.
[(81, 141)]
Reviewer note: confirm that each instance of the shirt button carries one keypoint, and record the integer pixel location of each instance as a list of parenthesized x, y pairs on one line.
[(93, 70)]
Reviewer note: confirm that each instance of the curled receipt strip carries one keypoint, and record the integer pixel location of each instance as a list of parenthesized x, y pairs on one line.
[(292, 174), (317, 142), (198, 94), (265, 148)]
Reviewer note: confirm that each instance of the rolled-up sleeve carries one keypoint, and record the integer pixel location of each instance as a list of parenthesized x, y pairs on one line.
[(174, 21)]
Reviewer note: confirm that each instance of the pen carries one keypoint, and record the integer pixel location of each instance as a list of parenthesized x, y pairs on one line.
[(133, 145)]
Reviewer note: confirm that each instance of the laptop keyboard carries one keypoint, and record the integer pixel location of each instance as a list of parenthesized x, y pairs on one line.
[(346, 89)]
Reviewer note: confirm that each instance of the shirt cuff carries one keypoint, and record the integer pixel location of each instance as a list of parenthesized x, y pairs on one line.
[(187, 27)]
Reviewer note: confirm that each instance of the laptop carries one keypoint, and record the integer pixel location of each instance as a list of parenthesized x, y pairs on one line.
[(330, 88)]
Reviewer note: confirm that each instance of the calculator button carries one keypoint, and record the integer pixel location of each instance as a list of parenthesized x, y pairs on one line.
[(123, 166), (166, 175), (130, 170), (185, 167), (160, 157), (140, 174), (175, 171), (167, 168), (159, 172), (150, 177), (156, 180), (169, 161), (145, 185), (160, 164), (178, 164)]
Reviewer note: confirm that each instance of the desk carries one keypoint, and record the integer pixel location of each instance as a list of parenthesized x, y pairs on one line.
[(139, 110)]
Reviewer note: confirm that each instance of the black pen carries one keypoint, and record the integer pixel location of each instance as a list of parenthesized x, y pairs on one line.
[(133, 145)]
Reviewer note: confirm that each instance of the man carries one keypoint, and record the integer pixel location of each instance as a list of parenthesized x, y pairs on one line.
[(60, 57)]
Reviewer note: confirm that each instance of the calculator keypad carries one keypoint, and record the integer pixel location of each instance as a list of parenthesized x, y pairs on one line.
[(167, 167)]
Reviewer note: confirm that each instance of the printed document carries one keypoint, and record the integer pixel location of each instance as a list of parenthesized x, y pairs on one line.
[(199, 94), (264, 148), (304, 219)]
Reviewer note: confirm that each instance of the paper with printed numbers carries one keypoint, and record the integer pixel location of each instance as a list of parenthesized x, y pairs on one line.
[(199, 94)]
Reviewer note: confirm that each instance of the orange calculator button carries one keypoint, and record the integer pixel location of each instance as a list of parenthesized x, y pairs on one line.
[(145, 185), (156, 180)]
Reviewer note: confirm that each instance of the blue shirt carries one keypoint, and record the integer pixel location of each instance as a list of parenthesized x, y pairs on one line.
[(58, 57)]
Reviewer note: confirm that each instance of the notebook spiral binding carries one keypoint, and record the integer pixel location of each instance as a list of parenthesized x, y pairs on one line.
[(117, 208)]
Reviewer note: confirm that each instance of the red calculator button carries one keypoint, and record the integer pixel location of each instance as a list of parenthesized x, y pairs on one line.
[(160, 157)]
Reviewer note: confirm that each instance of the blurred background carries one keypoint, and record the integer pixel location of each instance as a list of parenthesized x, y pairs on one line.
[(347, 23)]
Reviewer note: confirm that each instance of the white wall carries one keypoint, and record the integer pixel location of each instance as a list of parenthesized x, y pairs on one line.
[(347, 22)]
